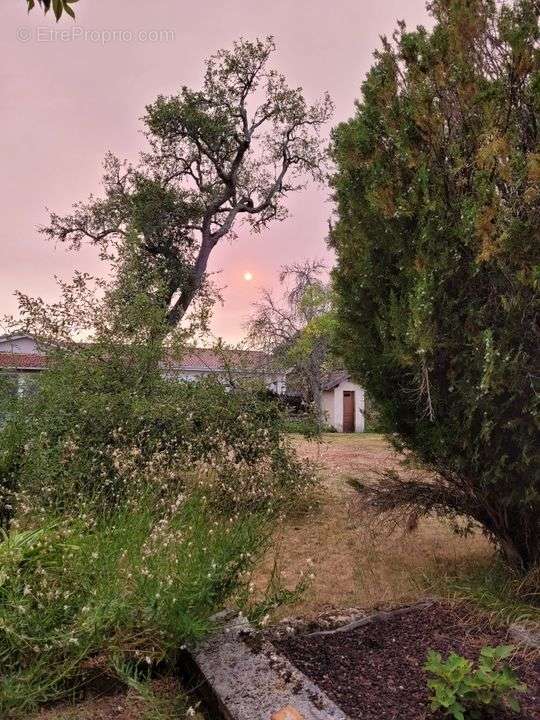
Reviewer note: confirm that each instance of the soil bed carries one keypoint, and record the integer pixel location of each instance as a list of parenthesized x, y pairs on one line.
[(375, 672)]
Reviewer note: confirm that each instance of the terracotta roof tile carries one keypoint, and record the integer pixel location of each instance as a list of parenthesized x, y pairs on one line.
[(22, 361), (196, 359), (205, 359)]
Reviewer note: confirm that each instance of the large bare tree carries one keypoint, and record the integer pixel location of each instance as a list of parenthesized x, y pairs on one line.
[(231, 151), (297, 328)]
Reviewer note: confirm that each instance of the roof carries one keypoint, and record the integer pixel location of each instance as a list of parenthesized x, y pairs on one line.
[(195, 360), (207, 359), (15, 336), (335, 378), (22, 361)]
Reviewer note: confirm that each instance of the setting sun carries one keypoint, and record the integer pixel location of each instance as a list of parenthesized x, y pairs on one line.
[(248, 276)]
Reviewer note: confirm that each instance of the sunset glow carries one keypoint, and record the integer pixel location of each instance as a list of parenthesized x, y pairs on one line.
[(47, 76)]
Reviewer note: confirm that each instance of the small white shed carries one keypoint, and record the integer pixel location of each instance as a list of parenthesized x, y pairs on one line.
[(343, 403)]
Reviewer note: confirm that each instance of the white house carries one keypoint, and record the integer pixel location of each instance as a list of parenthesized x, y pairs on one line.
[(343, 400), (227, 365), (344, 403), (21, 357)]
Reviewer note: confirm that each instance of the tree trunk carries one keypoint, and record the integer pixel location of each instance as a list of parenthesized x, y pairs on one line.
[(187, 294), (315, 391), (517, 533)]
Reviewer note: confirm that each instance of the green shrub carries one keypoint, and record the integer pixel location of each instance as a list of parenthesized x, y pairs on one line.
[(303, 426), (136, 507), (136, 585), (462, 691), (373, 422), (87, 432)]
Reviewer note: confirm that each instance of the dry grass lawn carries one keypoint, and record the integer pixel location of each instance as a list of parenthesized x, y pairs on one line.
[(355, 562)]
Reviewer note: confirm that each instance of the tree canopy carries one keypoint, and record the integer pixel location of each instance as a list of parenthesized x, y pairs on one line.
[(298, 328), (437, 239), (229, 152)]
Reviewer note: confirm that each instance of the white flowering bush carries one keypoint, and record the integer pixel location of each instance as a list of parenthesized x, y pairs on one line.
[(137, 584), (87, 429), (133, 509)]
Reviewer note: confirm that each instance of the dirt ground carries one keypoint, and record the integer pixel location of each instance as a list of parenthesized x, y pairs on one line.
[(114, 703), (166, 700), (354, 561), (391, 653)]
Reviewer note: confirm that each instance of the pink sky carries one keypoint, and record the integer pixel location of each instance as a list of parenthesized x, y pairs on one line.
[(65, 101)]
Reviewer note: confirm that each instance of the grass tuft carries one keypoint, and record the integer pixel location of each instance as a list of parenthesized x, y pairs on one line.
[(492, 587)]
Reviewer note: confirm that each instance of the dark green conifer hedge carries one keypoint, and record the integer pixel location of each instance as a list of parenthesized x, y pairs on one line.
[(437, 239)]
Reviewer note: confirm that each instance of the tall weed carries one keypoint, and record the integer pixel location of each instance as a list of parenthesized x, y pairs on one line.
[(139, 583)]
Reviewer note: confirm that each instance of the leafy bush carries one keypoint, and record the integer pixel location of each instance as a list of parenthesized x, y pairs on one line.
[(88, 432), (438, 189), (461, 691), (305, 426), (8, 394), (372, 417), (137, 585), (136, 507)]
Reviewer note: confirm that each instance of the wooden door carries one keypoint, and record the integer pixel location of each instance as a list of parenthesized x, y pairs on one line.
[(348, 411)]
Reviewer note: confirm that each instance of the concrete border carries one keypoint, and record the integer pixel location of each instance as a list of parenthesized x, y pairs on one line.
[(245, 678), (524, 636)]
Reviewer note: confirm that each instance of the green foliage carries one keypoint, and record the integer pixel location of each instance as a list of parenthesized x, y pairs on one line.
[(139, 681), (58, 6), (228, 152), (461, 691), (438, 192), (98, 423), (135, 586), (136, 507), (136, 504), (507, 596), (372, 417), (8, 395), (305, 425)]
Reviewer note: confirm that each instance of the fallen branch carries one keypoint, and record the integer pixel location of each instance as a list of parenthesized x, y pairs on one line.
[(376, 617)]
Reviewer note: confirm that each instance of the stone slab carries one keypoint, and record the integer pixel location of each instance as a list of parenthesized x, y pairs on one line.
[(251, 680), (525, 636)]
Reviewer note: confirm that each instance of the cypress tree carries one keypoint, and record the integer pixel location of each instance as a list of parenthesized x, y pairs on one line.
[(437, 240)]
